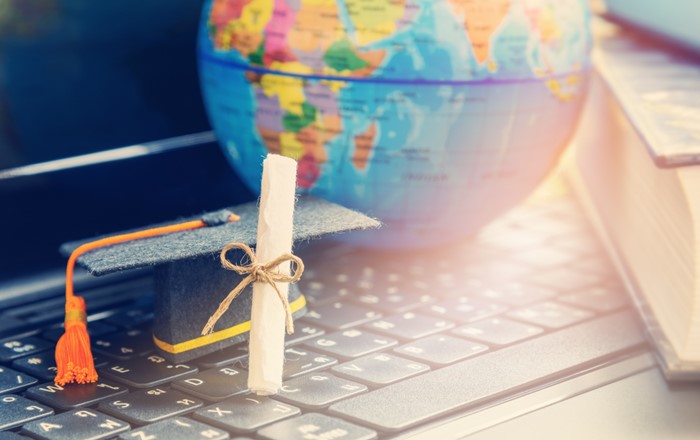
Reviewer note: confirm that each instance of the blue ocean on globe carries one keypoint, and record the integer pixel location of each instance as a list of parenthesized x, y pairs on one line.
[(433, 116)]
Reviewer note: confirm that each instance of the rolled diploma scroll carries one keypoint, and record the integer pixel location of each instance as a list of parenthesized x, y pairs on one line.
[(267, 321)]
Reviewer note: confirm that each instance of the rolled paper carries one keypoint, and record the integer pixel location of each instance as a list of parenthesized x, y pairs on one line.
[(267, 322)]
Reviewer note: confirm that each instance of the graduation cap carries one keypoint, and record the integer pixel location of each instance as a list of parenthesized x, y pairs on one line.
[(189, 278)]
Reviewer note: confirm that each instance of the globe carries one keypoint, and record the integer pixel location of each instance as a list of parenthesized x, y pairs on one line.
[(435, 116)]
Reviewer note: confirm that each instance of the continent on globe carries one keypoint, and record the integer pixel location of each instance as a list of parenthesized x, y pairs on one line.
[(373, 20), (481, 19), (432, 115)]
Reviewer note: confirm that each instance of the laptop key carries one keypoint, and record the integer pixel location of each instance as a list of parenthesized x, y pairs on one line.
[(392, 302), (440, 349), (410, 325), (517, 294), (340, 315), (302, 332), (16, 411), (599, 299), (148, 406), (498, 331), (177, 428), (224, 357), (380, 369), (351, 343), (245, 413), (493, 374), (75, 395), (12, 381), (123, 346), (299, 360), (216, 384), (14, 348), (146, 371), (318, 390), (316, 426), (465, 309), (550, 314), (81, 424)]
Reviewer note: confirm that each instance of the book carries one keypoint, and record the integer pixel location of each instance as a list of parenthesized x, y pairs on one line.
[(646, 211)]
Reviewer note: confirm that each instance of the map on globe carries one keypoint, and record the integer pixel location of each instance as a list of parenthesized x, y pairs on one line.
[(398, 108)]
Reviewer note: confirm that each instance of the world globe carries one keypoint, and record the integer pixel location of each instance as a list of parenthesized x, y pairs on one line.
[(434, 116)]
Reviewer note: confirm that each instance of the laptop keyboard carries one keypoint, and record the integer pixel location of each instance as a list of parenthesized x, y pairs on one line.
[(392, 341)]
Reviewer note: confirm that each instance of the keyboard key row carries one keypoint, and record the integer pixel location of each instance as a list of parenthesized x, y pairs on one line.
[(39, 422), (456, 386), (146, 371), (74, 396), (148, 406), (245, 413), (76, 425), (176, 428), (124, 346)]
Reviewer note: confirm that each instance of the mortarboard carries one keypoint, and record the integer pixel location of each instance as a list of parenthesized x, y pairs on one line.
[(190, 281)]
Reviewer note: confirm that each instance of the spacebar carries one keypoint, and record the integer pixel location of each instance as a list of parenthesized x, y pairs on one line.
[(420, 399)]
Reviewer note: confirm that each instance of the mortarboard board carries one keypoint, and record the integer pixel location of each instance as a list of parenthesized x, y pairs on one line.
[(190, 281)]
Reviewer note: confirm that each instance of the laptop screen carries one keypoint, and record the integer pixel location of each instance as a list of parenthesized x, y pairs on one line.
[(79, 76), (79, 81)]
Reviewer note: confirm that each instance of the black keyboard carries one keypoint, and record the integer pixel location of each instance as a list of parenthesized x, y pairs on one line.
[(392, 341)]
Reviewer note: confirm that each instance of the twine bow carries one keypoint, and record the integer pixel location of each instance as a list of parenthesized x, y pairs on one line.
[(263, 273)]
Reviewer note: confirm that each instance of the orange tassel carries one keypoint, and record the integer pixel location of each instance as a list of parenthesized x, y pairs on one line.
[(73, 356)]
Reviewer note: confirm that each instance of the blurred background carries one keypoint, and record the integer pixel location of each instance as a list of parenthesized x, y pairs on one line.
[(83, 77)]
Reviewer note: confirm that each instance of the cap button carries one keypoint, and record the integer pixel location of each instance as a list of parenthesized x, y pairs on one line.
[(217, 218)]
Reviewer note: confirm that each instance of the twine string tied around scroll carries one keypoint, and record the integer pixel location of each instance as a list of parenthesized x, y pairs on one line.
[(256, 272)]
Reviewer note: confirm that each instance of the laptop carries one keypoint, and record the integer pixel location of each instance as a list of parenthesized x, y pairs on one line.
[(523, 331)]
